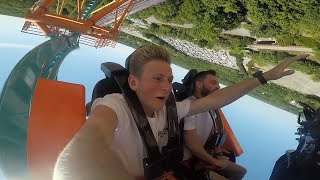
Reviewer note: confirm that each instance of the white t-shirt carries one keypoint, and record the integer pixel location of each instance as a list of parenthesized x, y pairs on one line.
[(203, 124), (127, 142)]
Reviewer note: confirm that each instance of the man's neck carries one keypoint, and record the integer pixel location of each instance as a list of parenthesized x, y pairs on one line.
[(197, 95)]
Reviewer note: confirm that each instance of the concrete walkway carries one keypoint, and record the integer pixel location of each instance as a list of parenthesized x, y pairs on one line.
[(239, 32), (133, 32), (257, 47), (152, 19)]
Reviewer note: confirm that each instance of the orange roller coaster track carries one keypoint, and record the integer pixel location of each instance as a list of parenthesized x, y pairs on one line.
[(41, 22)]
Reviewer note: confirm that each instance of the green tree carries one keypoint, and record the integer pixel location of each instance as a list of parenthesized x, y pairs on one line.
[(285, 20), (16, 7)]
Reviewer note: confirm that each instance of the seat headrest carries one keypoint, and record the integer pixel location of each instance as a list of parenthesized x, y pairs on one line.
[(184, 90), (104, 87), (127, 65), (107, 85), (111, 68), (189, 77)]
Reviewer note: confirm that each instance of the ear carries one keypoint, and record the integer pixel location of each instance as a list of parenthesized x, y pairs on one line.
[(133, 82), (199, 84)]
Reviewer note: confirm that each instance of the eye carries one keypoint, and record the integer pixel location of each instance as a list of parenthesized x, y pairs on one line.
[(214, 82), (157, 78)]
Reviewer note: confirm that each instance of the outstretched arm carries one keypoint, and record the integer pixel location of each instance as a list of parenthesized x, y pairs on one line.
[(88, 156), (225, 96)]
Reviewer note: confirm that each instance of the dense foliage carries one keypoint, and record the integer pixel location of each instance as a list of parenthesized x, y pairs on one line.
[(18, 8), (289, 18), (209, 18), (290, 22)]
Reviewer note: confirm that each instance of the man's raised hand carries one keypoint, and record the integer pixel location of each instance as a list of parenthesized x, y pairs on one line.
[(279, 71)]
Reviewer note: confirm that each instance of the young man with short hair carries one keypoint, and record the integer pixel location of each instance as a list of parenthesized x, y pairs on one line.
[(199, 127), (109, 145)]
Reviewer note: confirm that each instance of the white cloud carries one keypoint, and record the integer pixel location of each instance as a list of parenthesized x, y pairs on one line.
[(12, 45)]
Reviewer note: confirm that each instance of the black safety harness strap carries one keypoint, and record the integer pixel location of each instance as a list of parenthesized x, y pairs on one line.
[(172, 118)]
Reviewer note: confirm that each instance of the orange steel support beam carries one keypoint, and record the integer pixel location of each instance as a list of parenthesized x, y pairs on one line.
[(117, 23), (116, 15), (43, 28), (100, 30), (106, 10), (79, 9), (71, 24)]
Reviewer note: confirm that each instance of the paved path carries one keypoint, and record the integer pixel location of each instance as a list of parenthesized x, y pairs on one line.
[(257, 47), (152, 19), (239, 32), (133, 32)]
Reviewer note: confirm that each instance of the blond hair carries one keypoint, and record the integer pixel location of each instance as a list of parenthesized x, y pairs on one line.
[(143, 55)]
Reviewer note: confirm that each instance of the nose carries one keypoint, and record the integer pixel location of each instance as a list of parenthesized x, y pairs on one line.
[(216, 87), (166, 86)]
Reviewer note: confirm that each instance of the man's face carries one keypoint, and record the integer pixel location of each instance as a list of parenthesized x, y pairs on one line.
[(154, 86), (209, 84)]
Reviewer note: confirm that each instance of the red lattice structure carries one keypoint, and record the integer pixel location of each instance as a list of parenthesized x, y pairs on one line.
[(92, 30)]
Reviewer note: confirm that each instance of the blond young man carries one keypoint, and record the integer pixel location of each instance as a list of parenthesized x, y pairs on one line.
[(197, 129), (109, 145)]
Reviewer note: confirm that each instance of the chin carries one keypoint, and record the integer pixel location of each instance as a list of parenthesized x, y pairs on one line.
[(159, 107)]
